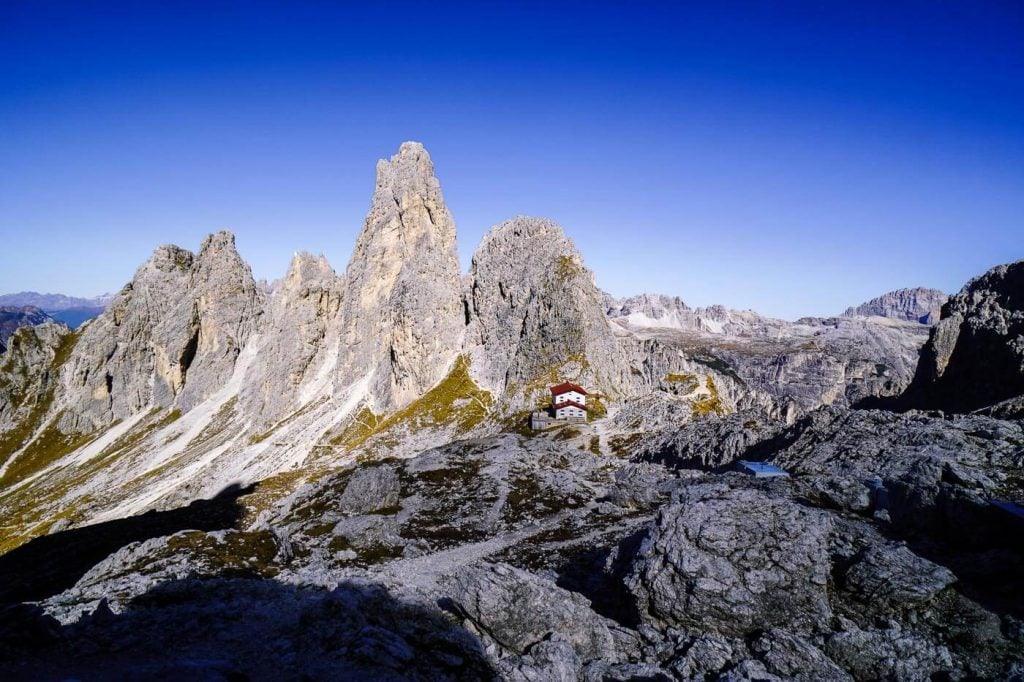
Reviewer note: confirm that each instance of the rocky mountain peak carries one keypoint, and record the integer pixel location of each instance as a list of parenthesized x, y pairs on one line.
[(171, 336), (299, 338), (402, 319), (168, 258), (536, 314), (219, 246), (916, 305), (306, 268)]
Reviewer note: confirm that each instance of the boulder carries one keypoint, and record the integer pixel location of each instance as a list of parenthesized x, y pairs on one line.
[(734, 560)]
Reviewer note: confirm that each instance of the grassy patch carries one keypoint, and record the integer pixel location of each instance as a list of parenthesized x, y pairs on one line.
[(17, 437), (623, 446), (567, 433), (362, 425), (595, 445), (682, 383), (527, 499), (240, 553), (567, 267), (710, 405), (455, 400), (45, 449)]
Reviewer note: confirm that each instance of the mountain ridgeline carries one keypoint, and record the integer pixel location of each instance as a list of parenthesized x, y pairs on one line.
[(345, 459), (195, 377)]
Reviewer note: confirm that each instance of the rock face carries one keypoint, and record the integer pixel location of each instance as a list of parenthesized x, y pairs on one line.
[(13, 317), (706, 444), (28, 380), (402, 319), (783, 368), (170, 337), (518, 610), (912, 305), (734, 561), (301, 341), (975, 355), (536, 315)]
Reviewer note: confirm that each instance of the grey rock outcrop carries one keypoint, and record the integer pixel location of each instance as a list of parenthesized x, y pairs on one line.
[(888, 578), (518, 610), (707, 444), (783, 368), (14, 317), (536, 316), (402, 318), (975, 355), (888, 653), (734, 560), (371, 490), (913, 305), (170, 337), (29, 376), (301, 332)]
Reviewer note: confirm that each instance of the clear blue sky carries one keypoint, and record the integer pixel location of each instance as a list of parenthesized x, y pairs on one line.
[(792, 157)]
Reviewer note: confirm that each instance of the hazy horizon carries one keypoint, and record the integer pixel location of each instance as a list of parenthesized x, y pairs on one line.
[(794, 160)]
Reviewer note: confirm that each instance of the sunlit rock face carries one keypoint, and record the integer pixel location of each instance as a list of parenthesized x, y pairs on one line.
[(170, 337), (402, 319), (535, 313), (912, 305), (299, 342)]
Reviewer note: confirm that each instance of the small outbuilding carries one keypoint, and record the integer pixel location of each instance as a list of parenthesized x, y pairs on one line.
[(540, 420)]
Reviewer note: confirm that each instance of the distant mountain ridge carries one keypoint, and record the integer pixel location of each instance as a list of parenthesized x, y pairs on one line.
[(54, 302), (916, 305), (72, 310)]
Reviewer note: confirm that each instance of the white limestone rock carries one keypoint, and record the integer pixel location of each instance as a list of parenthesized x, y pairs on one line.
[(170, 337), (301, 342)]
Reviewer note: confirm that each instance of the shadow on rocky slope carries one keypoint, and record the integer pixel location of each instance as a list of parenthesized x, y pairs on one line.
[(52, 563), (244, 629)]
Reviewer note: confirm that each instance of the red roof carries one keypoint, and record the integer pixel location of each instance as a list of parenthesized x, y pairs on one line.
[(566, 387), (570, 403)]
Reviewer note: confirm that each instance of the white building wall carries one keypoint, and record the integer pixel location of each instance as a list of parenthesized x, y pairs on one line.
[(573, 396)]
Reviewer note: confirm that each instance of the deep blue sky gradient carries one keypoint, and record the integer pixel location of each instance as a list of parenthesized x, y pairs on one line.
[(793, 158)]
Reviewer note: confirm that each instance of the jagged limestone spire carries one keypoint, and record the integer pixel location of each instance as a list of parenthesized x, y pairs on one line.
[(402, 319)]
